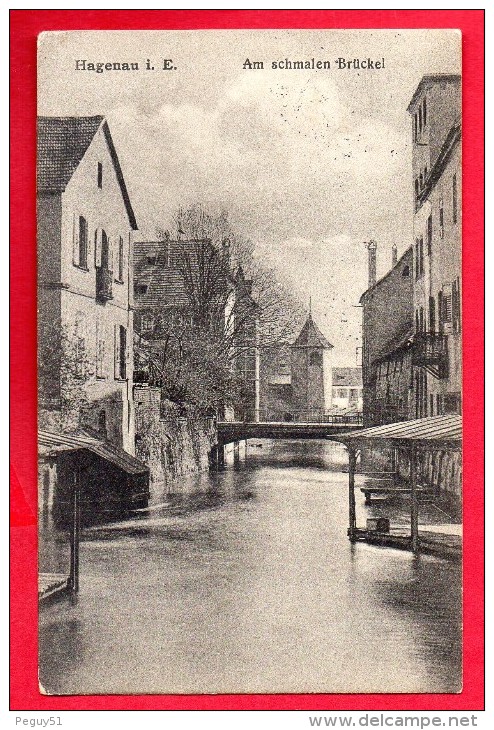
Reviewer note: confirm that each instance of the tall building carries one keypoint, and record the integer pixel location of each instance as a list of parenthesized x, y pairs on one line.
[(85, 325), (435, 111), (178, 281), (387, 336)]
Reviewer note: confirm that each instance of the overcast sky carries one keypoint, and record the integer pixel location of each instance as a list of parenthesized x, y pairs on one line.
[(309, 163)]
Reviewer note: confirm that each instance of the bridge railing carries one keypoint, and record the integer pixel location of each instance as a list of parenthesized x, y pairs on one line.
[(318, 417)]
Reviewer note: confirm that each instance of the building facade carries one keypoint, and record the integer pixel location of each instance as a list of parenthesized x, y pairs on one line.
[(387, 336), (435, 110), (347, 390), (85, 235), (178, 281)]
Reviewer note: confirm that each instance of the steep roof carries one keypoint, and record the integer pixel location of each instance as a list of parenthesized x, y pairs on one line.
[(311, 336), (432, 78), (62, 143), (157, 267), (347, 377)]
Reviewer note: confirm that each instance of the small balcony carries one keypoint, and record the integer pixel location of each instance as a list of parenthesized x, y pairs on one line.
[(430, 351), (104, 278)]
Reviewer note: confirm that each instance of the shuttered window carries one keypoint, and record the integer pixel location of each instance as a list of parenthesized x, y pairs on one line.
[(120, 352)]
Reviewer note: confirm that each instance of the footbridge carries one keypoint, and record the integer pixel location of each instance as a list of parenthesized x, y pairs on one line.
[(330, 427)]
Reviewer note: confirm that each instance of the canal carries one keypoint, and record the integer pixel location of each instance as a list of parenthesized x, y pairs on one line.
[(245, 581)]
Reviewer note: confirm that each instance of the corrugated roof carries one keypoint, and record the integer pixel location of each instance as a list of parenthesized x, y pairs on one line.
[(347, 376), (62, 143), (54, 443), (311, 336), (435, 431)]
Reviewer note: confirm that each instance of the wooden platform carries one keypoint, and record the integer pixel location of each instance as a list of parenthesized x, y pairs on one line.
[(51, 585), (392, 491), (430, 543)]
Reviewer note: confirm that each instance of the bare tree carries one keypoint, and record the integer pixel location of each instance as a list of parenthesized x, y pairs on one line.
[(203, 352)]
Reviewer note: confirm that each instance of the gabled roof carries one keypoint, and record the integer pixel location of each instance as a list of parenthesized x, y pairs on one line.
[(157, 268), (62, 143), (347, 377), (311, 336)]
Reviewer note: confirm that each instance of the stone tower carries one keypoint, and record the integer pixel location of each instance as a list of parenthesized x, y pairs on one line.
[(311, 372)]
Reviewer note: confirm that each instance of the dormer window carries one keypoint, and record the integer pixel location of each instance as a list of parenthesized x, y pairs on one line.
[(100, 175)]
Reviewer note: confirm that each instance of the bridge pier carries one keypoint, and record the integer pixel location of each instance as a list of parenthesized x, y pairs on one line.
[(220, 460)]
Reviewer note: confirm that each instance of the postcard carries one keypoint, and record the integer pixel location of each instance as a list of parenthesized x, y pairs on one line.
[(249, 361)]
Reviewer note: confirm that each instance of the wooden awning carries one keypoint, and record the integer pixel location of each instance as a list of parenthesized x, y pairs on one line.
[(51, 444), (435, 432)]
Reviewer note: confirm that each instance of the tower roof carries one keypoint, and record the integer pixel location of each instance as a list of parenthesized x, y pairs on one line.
[(311, 336)]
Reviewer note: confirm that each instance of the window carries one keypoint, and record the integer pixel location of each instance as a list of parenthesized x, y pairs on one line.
[(447, 309), (420, 119), (432, 314), (100, 174), (421, 319), (421, 256), (406, 271), (102, 424), (415, 127), (120, 352), (441, 218), (416, 190), (342, 393), (424, 112), (120, 262), (429, 235), (455, 200), (425, 174), (147, 323), (456, 306), (417, 324), (82, 242), (101, 249), (140, 289), (417, 259), (315, 358), (100, 350)]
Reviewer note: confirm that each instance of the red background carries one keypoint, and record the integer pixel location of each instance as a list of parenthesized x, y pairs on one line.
[(25, 25)]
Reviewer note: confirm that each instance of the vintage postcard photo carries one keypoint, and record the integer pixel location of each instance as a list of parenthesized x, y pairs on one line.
[(249, 361)]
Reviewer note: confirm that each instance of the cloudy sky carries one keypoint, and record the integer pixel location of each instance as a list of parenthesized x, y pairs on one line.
[(309, 163)]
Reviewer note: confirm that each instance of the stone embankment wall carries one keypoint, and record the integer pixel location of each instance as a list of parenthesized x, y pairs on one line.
[(441, 470), (172, 440)]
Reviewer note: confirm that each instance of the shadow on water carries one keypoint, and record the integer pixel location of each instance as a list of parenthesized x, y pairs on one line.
[(421, 599), (60, 650)]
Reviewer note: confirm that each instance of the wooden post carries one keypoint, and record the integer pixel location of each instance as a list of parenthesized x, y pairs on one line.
[(414, 512), (352, 519), (393, 464), (75, 532)]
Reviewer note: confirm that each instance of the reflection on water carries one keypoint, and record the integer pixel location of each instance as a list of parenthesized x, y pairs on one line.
[(245, 581)]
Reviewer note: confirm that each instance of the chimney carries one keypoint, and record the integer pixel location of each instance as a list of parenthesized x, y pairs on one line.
[(394, 255), (225, 247), (372, 248)]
